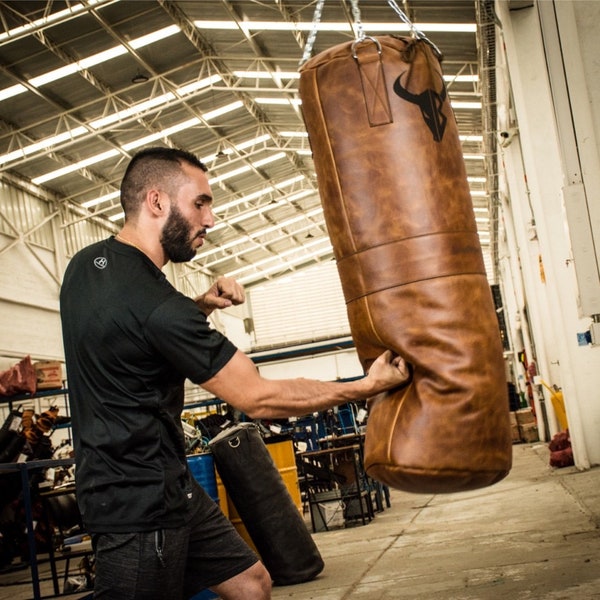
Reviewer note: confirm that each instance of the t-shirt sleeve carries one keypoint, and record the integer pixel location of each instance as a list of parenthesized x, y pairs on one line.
[(182, 334)]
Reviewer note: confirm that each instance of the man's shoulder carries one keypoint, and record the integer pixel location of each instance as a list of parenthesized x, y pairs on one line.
[(95, 249)]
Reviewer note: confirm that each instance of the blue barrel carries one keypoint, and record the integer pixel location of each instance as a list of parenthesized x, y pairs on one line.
[(204, 595), (202, 468)]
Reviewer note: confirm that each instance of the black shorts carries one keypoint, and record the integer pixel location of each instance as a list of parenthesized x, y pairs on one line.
[(171, 564)]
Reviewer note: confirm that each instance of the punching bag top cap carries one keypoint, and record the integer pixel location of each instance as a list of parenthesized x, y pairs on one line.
[(380, 44), (231, 431)]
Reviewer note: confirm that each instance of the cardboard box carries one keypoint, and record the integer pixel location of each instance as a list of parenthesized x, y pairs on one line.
[(331, 515), (516, 433), (525, 416), (529, 433), (49, 374)]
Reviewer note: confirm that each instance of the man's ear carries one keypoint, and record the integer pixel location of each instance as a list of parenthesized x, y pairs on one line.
[(156, 202)]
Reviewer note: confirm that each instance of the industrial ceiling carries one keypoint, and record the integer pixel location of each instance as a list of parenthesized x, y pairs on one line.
[(84, 84)]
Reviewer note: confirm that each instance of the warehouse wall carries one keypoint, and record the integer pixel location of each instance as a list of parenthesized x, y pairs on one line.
[(38, 237), (551, 161), (29, 277)]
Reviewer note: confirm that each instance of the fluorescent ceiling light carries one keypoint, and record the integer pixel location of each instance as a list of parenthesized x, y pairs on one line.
[(116, 217), (204, 255), (198, 85), (161, 134), (241, 146), (300, 195), (43, 144), (465, 105), (225, 207), (154, 102), (461, 78), (292, 101), (283, 265), (75, 167), (108, 120), (155, 36), (479, 193), (255, 212), (262, 192), (269, 159), (279, 257), (136, 109), (47, 20), (288, 222), (246, 168), (473, 156), (342, 26), (296, 75), (228, 175), (13, 90), (267, 74), (165, 133), (249, 239), (470, 138), (250, 213), (249, 143), (100, 200), (85, 63), (222, 110)]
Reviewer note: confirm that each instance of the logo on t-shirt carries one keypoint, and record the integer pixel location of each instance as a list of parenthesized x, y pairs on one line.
[(100, 262)]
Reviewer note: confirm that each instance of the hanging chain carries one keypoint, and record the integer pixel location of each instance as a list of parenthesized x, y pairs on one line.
[(360, 32), (310, 42), (403, 16), (416, 33)]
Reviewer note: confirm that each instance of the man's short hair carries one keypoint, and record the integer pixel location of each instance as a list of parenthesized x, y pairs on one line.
[(153, 167)]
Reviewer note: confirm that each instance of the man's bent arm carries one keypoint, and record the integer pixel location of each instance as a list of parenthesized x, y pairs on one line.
[(240, 384)]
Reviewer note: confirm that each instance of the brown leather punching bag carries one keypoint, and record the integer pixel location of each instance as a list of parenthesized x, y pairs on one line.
[(398, 209)]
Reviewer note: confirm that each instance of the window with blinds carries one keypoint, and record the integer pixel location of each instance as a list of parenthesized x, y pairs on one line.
[(304, 306)]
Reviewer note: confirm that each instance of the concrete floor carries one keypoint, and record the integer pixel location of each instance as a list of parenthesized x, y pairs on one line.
[(533, 536)]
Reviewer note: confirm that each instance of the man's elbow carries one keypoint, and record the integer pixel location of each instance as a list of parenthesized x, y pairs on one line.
[(258, 410)]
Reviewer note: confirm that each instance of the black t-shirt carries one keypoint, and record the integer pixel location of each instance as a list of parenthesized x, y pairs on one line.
[(131, 339)]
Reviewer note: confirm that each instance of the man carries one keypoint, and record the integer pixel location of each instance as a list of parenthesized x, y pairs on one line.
[(130, 342)]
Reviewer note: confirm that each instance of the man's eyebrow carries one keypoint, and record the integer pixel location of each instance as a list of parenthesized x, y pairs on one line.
[(205, 197)]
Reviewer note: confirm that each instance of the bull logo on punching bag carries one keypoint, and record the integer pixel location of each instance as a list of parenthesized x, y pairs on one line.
[(430, 103)]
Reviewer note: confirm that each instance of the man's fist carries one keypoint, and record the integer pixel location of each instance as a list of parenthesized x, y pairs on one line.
[(224, 292)]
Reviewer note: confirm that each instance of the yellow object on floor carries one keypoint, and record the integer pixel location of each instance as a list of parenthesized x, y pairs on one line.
[(558, 403)]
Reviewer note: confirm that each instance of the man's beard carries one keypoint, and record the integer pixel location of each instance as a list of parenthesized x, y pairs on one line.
[(176, 238)]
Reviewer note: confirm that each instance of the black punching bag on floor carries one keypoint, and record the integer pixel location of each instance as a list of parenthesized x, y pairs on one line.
[(265, 506)]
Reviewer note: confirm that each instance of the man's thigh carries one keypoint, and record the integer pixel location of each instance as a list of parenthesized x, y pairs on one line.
[(216, 552), (140, 566)]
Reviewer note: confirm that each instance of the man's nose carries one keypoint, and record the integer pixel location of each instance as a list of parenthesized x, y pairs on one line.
[(208, 218)]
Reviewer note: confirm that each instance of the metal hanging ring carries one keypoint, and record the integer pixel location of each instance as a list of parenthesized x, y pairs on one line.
[(366, 38)]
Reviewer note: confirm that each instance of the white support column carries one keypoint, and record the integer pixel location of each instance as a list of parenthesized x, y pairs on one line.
[(573, 367)]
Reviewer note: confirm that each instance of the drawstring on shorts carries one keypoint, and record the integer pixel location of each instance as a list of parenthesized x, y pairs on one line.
[(158, 546)]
